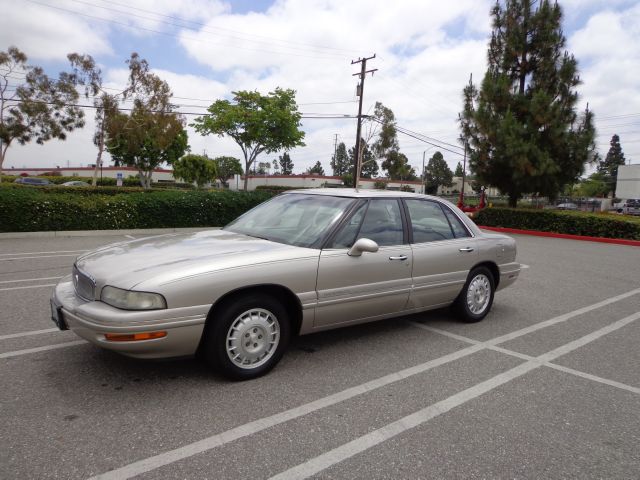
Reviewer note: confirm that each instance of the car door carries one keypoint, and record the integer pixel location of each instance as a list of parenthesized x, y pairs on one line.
[(355, 288), (444, 251)]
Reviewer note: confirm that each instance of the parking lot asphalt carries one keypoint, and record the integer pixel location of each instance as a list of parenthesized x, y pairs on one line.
[(547, 386)]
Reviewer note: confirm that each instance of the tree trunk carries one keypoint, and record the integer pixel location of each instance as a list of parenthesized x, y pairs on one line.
[(513, 199), (246, 174), (3, 151), (99, 157)]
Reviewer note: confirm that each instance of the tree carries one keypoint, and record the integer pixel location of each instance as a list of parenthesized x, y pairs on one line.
[(594, 186), (609, 167), (521, 126), (369, 167), (257, 123), (459, 172), (397, 166), (263, 168), (276, 167), (152, 133), (39, 108), (226, 168), (437, 173), (286, 164), (316, 169), (195, 168), (340, 162), (88, 74)]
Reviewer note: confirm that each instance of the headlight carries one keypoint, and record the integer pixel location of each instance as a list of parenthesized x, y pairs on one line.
[(131, 300)]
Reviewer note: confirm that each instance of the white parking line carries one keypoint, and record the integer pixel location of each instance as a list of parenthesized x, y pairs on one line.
[(39, 256), (524, 266), (17, 353), (131, 237), (189, 450), (29, 286), (578, 373), (29, 333), (29, 280), (40, 253), (365, 442)]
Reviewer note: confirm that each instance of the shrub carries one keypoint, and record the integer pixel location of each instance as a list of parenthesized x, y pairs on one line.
[(380, 185), (573, 223), (32, 209)]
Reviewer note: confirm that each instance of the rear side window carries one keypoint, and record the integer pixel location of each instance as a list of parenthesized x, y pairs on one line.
[(428, 221), (383, 222), (457, 226)]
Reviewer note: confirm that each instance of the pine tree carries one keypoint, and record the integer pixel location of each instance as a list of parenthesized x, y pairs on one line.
[(369, 167), (316, 169), (609, 167), (521, 126), (437, 173), (459, 172), (340, 161), (286, 164)]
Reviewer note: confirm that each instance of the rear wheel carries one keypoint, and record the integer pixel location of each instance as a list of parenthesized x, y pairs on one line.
[(246, 337), (476, 298)]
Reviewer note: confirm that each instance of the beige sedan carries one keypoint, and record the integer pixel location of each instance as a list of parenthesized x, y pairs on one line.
[(302, 262)]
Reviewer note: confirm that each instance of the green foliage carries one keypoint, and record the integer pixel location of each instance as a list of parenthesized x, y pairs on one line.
[(341, 162), (195, 168), (39, 108), (286, 164), (384, 123), (369, 167), (30, 209), (380, 185), (226, 168), (316, 169), (257, 123), (608, 169), (594, 186), (347, 180), (437, 173), (397, 166), (459, 171), (573, 223), (522, 129)]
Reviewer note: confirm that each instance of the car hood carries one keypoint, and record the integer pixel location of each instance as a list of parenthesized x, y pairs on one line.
[(167, 258)]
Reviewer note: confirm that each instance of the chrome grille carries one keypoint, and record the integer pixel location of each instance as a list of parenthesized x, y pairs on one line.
[(84, 285)]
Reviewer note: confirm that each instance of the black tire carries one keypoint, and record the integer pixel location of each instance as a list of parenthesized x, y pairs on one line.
[(249, 315), (478, 278)]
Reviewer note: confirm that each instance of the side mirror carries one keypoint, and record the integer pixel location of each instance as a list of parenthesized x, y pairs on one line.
[(362, 245)]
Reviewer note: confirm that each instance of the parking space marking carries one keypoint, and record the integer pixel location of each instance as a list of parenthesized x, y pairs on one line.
[(131, 237), (524, 266), (29, 280), (17, 353), (522, 356), (151, 463), (40, 253), (39, 256), (380, 435), (29, 333), (28, 286)]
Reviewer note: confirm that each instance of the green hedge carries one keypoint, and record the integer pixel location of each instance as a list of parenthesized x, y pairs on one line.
[(30, 209), (573, 223), (130, 181)]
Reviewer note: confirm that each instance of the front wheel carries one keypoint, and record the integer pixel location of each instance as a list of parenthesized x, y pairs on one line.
[(246, 337), (476, 298)]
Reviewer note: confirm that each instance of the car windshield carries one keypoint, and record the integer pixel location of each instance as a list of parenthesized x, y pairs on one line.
[(294, 219)]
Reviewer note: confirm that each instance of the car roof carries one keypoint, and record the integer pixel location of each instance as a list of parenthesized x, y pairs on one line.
[(361, 193)]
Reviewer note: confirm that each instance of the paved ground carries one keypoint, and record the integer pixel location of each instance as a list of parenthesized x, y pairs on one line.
[(548, 386)]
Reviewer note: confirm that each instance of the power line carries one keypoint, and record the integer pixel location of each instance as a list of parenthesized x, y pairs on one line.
[(324, 56)]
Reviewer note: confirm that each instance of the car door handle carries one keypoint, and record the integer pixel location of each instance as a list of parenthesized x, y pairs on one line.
[(466, 249), (401, 258)]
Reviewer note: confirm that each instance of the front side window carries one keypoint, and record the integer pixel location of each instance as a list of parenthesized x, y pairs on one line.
[(383, 222), (428, 221)]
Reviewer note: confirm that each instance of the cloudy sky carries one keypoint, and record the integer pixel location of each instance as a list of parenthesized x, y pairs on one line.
[(425, 51)]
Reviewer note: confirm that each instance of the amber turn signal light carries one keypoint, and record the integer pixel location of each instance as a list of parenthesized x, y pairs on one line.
[(133, 337)]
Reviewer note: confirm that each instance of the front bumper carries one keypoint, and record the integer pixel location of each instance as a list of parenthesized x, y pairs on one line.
[(92, 319)]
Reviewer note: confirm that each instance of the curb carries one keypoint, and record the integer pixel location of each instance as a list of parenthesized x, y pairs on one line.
[(102, 233), (536, 233)]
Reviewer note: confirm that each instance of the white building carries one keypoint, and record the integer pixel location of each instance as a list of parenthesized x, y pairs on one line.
[(628, 184), (316, 181)]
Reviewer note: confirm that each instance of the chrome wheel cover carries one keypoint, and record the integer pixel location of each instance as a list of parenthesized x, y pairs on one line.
[(253, 338), (478, 294)]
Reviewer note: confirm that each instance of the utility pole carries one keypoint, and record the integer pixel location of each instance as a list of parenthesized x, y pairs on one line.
[(335, 151), (360, 92), (424, 187)]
